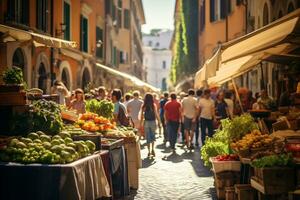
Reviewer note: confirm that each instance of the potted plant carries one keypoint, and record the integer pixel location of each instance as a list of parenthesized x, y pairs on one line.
[(13, 80)]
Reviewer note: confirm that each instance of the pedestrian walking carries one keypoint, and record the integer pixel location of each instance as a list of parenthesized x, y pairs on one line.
[(182, 95), (127, 98), (189, 114), (207, 115), (172, 116), (150, 116), (229, 102), (162, 103), (61, 90), (102, 93), (221, 107), (134, 108), (199, 96), (120, 113)]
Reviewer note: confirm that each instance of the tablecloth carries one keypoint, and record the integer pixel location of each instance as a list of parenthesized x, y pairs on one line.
[(81, 180)]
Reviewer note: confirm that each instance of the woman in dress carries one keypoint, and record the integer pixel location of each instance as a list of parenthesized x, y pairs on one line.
[(78, 103)]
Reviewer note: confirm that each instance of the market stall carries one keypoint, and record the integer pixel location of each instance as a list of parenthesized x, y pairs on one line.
[(84, 178)]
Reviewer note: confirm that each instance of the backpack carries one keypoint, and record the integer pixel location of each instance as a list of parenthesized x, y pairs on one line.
[(123, 118)]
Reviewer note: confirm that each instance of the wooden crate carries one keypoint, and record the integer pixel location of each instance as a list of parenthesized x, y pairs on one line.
[(245, 192), (274, 180), (230, 193), (13, 98), (225, 179)]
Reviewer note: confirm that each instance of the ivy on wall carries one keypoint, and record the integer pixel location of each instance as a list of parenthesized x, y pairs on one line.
[(185, 57)]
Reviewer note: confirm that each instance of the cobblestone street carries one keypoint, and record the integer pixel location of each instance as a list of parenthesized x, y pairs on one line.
[(174, 176)]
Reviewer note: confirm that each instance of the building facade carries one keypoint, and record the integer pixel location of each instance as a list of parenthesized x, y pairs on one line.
[(158, 57), (124, 38), (39, 36), (219, 21), (267, 75)]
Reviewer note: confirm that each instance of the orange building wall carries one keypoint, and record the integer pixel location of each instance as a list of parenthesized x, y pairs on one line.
[(215, 32)]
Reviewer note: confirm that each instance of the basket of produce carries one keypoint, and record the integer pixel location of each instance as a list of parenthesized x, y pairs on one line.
[(225, 163)]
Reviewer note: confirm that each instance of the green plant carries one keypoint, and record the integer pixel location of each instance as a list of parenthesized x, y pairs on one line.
[(103, 108), (13, 75), (273, 161)]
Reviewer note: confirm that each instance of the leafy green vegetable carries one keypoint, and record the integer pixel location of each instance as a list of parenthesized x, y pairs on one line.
[(103, 108), (273, 161), (13, 75), (230, 130)]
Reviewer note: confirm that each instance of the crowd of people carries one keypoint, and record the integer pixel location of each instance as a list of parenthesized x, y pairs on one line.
[(184, 117)]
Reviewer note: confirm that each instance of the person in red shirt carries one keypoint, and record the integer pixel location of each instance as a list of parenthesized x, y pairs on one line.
[(172, 118)]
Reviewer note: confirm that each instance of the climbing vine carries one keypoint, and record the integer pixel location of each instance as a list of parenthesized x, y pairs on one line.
[(185, 58)]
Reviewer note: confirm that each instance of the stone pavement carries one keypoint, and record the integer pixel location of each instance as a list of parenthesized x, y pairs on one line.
[(173, 176)]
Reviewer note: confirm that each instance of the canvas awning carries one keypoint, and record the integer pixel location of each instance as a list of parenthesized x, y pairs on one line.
[(242, 54), (11, 34), (207, 70), (134, 81)]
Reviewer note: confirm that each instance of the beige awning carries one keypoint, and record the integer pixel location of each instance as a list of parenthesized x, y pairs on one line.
[(207, 70), (130, 80), (13, 34), (242, 54)]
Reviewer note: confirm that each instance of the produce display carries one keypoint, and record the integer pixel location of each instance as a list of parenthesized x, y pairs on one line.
[(273, 161), (120, 132), (102, 108), (231, 131), (45, 116), (41, 148), (93, 123), (73, 130), (227, 157), (253, 140)]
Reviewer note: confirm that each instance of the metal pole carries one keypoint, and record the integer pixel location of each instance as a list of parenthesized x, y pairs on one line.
[(237, 94)]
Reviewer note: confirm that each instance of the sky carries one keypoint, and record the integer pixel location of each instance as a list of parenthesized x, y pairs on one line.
[(159, 14)]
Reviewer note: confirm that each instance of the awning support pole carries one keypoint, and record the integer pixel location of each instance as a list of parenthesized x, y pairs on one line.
[(237, 94)]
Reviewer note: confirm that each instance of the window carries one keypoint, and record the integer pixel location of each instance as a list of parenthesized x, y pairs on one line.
[(149, 43), (67, 21), (83, 33), (18, 11), (164, 84), (164, 65), (123, 57), (126, 19), (202, 15), (42, 81), (115, 56), (291, 7), (99, 37), (120, 18), (265, 15), (42, 14), (219, 9), (157, 44)]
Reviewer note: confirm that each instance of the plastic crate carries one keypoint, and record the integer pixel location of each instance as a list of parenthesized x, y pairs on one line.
[(220, 166)]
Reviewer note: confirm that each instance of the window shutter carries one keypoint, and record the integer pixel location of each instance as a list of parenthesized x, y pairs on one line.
[(24, 12), (67, 21), (223, 9), (212, 10)]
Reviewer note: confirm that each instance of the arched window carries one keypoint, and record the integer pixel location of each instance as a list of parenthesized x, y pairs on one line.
[(18, 59), (65, 78), (164, 84), (42, 82), (291, 7), (86, 78), (265, 15)]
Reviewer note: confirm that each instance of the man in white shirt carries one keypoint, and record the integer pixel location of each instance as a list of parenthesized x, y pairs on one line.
[(207, 115), (189, 114), (134, 108)]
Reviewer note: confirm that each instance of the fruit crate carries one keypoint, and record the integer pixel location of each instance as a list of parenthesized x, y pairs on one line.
[(220, 166), (224, 180), (112, 143), (230, 193), (245, 192), (275, 180), (92, 137)]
